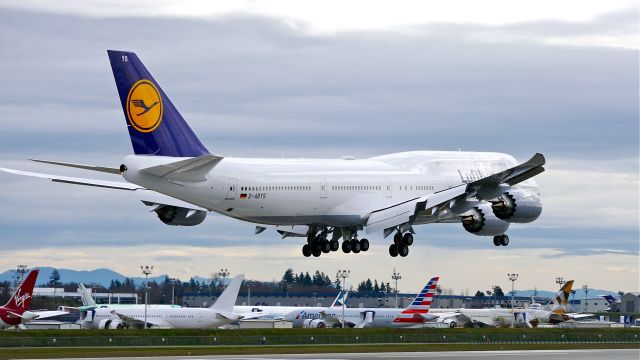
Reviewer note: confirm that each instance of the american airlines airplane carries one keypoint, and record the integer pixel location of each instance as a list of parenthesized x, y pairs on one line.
[(323, 200), (417, 313)]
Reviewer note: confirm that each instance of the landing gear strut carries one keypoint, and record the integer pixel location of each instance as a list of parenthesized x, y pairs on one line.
[(401, 244), (501, 240), (317, 243)]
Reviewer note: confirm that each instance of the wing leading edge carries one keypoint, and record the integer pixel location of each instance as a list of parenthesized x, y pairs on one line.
[(403, 214)]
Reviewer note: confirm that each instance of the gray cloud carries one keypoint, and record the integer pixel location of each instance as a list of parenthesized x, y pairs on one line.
[(253, 86)]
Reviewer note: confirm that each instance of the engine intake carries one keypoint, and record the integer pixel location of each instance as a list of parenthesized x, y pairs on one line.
[(517, 206), (178, 216), (314, 323), (482, 222)]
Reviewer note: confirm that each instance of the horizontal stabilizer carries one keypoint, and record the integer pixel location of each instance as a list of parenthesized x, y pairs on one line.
[(80, 166), (191, 170), (76, 181)]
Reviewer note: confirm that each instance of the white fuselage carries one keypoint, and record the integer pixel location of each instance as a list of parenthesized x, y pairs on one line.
[(494, 317), (270, 312), (172, 317), (318, 191), (377, 317)]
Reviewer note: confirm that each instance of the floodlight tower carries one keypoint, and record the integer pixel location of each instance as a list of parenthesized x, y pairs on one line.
[(146, 270), (586, 295), (223, 273), (344, 274), (513, 277), (396, 276)]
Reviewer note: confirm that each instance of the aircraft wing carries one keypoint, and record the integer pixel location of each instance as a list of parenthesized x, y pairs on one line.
[(44, 314), (404, 214), (133, 322), (148, 197), (331, 320)]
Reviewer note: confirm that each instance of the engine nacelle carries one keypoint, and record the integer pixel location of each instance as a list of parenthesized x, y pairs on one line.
[(111, 324), (178, 216), (314, 323), (517, 206), (481, 221)]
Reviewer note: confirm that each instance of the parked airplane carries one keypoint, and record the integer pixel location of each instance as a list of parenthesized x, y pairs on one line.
[(280, 312), (611, 301), (220, 313), (415, 314), (530, 316), (88, 303), (15, 312), (323, 200)]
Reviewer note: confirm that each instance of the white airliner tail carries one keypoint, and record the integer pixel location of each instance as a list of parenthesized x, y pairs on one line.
[(228, 298)]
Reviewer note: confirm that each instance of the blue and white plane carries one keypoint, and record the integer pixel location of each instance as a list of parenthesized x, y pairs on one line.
[(324, 200)]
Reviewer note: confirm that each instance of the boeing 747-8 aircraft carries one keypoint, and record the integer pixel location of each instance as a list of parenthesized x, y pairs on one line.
[(324, 200)]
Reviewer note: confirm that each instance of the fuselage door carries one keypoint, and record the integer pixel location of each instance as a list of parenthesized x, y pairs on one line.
[(388, 186), (232, 188), (323, 188)]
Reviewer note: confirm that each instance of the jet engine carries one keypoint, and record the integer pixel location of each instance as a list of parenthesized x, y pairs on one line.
[(314, 323), (178, 216), (481, 221), (111, 324), (517, 206)]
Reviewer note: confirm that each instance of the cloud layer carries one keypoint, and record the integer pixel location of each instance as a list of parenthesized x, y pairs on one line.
[(257, 86)]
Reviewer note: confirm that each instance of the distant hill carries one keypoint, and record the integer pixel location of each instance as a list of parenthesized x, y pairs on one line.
[(97, 276)]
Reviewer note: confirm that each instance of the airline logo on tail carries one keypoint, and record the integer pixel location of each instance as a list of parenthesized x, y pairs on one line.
[(415, 313), (144, 106), (562, 297)]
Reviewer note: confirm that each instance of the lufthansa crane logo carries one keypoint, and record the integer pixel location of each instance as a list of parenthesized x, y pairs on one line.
[(144, 106)]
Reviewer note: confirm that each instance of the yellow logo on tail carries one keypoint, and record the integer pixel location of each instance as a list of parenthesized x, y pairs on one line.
[(144, 106)]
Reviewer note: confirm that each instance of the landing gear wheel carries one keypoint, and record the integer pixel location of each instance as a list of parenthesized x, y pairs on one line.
[(306, 250), (452, 324), (316, 253), (393, 250), (397, 238), (325, 246), (504, 240), (346, 247), (364, 245), (355, 246), (496, 240), (403, 250), (334, 245), (407, 239)]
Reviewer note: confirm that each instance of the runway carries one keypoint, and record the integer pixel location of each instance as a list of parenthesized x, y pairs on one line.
[(599, 354)]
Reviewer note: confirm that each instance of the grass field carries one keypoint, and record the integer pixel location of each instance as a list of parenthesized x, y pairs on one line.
[(102, 343)]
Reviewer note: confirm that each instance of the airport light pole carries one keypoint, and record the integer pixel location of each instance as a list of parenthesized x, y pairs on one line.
[(344, 274), (396, 276), (559, 280), (146, 270), (173, 290), (224, 273), (586, 295), (248, 284), (513, 277)]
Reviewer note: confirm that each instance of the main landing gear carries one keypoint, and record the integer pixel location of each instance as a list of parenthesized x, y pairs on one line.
[(317, 243), (401, 244), (501, 240)]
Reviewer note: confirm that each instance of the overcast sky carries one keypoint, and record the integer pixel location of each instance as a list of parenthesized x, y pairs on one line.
[(327, 79)]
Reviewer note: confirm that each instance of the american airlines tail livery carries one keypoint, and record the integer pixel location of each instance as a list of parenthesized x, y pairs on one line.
[(324, 200)]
